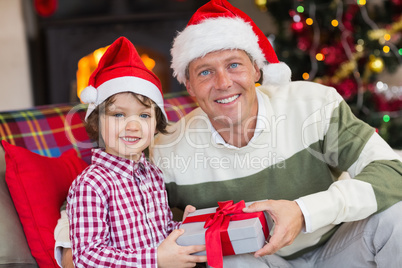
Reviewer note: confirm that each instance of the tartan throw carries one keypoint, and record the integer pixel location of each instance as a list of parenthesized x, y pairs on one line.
[(48, 130), (53, 129), (178, 105)]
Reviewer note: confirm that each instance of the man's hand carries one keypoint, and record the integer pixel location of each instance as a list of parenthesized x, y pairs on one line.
[(288, 219), (189, 209), (67, 258), (172, 255)]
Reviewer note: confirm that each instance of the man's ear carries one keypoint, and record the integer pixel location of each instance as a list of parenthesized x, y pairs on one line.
[(189, 88), (257, 73)]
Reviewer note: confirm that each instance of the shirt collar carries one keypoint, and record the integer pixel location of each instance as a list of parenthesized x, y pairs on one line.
[(259, 127), (120, 165)]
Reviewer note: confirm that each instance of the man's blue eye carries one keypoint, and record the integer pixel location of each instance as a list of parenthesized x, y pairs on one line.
[(204, 73), (118, 115), (234, 65), (145, 116)]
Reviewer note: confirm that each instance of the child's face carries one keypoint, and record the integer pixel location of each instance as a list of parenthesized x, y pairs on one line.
[(127, 126)]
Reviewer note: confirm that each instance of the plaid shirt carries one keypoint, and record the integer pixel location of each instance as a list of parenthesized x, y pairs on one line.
[(118, 213)]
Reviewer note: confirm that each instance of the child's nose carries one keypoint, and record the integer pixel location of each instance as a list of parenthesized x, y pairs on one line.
[(132, 124)]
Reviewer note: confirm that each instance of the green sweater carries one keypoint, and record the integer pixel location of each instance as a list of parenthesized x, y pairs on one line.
[(310, 138)]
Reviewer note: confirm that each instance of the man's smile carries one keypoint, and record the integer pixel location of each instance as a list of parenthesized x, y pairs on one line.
[(228, 100)]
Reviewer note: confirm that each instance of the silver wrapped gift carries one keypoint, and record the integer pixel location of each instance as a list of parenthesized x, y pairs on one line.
[(245, 235)]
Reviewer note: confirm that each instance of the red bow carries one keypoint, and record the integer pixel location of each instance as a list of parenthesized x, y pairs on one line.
[(217, 239)]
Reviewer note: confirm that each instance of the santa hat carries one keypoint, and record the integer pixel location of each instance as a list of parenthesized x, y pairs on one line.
[(218, 25), (121, 70)]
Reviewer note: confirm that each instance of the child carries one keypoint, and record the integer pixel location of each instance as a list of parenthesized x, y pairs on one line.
[(117, 207)]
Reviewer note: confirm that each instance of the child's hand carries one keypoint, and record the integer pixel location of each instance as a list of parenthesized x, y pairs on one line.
[(172, 255), (188, 210)]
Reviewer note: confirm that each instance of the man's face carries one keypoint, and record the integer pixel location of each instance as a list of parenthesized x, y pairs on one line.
[(223, 82)]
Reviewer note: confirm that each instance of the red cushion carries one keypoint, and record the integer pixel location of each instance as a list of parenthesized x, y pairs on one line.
[(38, 186)]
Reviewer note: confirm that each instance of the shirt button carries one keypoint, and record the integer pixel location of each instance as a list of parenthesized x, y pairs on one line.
[(143, 187)]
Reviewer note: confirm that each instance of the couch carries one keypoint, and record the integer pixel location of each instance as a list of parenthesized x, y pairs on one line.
[(46, 147)]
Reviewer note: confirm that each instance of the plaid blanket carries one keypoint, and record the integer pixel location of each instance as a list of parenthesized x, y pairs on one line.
[(53, 129)]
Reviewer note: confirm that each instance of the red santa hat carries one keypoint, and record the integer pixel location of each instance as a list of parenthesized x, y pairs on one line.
[(121, 70), (218, 25)]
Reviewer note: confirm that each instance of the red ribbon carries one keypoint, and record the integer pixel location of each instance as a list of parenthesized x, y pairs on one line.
[(217, 239)]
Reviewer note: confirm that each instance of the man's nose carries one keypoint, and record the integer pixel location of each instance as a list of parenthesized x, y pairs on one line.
[(223, 80)]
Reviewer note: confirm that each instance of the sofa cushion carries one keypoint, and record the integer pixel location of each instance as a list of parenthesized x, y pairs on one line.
[(14, 250), (38, 186)]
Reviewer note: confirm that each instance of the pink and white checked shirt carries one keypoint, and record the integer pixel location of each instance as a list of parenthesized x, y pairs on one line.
[(118, 213)]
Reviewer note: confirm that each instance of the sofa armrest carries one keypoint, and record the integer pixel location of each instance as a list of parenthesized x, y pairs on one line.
[(14, 250)]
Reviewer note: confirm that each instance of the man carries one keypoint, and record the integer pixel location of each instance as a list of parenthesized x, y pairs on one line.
[(283, 141)]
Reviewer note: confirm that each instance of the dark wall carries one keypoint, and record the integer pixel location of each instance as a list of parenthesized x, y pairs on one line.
[(76, 28)]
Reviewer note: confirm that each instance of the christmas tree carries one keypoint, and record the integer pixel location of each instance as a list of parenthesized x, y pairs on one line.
[(346, 45)]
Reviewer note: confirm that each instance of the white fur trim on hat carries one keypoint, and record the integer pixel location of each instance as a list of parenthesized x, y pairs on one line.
[(210, 35), (89, 95), (276, 74), (129, 84)]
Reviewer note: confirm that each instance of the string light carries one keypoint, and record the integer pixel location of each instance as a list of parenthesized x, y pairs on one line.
[(360, 45), (353, 57), (316, 41), (395, 27), (300, 9), (361, 2), (359, 48), (296, 18), (389, 93), (347, 73), (297, 26), (376, 64), (348, 67), (320, 57), (261, 4)]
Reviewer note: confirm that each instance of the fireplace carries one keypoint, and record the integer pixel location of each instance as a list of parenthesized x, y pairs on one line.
[(64, 39)]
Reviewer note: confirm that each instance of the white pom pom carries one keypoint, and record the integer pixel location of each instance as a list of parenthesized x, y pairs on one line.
[(276, 74), (89, 95)]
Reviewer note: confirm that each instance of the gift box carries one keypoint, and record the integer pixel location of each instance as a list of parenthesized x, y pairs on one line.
[(226, 230)]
